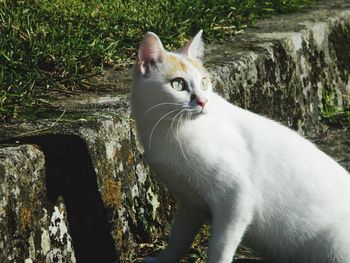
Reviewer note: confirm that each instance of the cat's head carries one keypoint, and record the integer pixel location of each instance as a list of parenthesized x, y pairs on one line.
[(170, 82)]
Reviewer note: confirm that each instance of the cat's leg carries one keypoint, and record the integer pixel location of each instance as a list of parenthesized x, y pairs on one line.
[(229, 223), (187, 222)]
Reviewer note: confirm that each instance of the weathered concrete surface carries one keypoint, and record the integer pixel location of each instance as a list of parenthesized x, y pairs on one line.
[(285, 68), (286, 65), (131, 198), (31, 228), (336, 143)]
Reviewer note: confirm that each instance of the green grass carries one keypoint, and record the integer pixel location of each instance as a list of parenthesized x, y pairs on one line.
[(57, 44)]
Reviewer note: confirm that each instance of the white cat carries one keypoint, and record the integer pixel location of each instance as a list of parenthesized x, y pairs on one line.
[(254, 180)]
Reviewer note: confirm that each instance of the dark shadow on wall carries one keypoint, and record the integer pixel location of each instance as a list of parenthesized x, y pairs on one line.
[(70, 174)]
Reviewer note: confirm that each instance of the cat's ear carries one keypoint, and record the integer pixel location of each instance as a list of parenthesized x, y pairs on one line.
[(194, 48), (150, 52)]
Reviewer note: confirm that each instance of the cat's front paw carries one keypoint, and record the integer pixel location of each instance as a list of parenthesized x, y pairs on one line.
[(151, 260)]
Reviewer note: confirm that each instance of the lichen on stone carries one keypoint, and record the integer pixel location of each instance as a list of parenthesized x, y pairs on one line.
[(111, 193), (26, 217)]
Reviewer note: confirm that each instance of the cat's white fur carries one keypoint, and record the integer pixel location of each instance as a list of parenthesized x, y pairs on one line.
[(254, 180)]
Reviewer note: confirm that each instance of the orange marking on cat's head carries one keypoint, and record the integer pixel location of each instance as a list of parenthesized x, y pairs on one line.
[(175, 65), (197, 64)]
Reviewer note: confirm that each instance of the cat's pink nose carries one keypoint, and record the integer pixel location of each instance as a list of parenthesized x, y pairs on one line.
[(199, 100), (202, 102)]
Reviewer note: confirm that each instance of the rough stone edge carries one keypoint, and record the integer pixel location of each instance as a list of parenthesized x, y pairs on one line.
[(31, 228), (291, 70)]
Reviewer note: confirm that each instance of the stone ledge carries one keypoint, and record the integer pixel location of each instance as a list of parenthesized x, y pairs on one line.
[(286, 65)]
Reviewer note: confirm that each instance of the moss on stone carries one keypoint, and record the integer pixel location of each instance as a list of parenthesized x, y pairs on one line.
[(111, 193), (331, 113), (25, 218)]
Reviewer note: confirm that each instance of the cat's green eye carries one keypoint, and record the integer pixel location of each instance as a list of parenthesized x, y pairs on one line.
[(178, 84), (205, 83)]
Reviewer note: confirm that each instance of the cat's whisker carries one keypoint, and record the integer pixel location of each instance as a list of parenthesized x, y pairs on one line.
[(160, 104), (189, 111), (154, 127), (178, 122), (178, 127), (172, 121)]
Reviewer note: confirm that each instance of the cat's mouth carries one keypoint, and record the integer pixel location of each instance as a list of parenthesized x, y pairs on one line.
[(196, 111)]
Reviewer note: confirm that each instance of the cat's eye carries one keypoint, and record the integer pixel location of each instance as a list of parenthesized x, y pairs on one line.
[(178, 84), (205, 83)]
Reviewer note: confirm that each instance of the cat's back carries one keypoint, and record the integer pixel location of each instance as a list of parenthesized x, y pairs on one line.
[(300, 192), (283, 167), (266, 144), (282, 154)]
